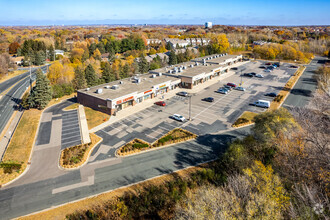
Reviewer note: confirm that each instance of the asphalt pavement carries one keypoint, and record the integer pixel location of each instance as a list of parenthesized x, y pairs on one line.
[(32, 193), (11, 98)]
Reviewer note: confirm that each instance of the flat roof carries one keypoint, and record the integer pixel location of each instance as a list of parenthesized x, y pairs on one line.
[(127, 87)]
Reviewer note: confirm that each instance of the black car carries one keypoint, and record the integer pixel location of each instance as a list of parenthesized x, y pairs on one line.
[(234, 68), (253, 74), (272, 94), (227, 87), (247, 75), (262, 67), (185, 94), (209, 99)]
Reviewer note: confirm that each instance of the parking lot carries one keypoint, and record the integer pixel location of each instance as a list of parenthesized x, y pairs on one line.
[(70, 129), (206, 117)]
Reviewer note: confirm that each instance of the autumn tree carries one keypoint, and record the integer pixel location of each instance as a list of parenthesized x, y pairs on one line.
[(13, 47), (55, 72), (219, 43)]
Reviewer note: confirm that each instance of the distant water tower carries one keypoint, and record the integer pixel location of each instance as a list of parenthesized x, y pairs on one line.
[(208, 24)]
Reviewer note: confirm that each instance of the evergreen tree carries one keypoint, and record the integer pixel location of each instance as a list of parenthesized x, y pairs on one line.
[(79, 81), (172, 58), (41, 93), (39, 58), (139, 44), (112, 55), (90, 76), (85, 55), (168, 46), (143, 64), (106, 73), (51, 53)]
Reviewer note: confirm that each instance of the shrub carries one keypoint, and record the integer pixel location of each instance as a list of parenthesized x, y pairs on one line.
[(10, 166), (241, 121)]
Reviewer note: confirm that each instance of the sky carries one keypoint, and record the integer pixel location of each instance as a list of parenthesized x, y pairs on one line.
[(224, 12)]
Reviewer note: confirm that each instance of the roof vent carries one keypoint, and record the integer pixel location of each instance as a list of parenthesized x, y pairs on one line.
[(115, 87), (138, 80), (153, 76), (99, 91), (191, 66), (121, 82), (160, 74), (107, 87), (87, 89)]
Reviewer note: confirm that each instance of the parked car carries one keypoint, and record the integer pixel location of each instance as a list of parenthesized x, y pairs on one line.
[(262, 103), (222, 91), (247, 75), (262, 67), (271, 94), (267, 70), (270, 68), (234, 68), (227, 87), (231, 84), (259, 76), (160, 103), (178, 117), (268, 64), (209, 99), (253, 74), (185, 94), (293, 66), (240, 88)]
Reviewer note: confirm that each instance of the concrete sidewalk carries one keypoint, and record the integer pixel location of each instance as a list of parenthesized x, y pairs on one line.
[(83, 125), (9, 132), (150, 102)]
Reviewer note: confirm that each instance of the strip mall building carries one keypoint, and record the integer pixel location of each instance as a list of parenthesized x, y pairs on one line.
[(117, 95)]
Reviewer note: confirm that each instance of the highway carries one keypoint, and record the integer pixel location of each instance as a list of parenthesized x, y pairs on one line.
[(10, 93), (43, 187)]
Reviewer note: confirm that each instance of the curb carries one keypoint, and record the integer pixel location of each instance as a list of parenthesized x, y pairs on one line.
[(86, 161)]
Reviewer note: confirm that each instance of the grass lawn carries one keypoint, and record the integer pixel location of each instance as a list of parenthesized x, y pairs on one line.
[(20, 146), (95, 118), (245, 119), (58, 100), (71, 107), (76, 156), (12, 74)]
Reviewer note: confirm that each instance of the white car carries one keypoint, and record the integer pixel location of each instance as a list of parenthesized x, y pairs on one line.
[(259, 76), (178, 117)]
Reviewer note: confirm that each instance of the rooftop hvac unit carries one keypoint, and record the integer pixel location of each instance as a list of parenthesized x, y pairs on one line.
[(87, 89), (176, 71), (138, 80), (160, 74), (107, 87), (175, 68), (153, 76), (191, 66), (196, 64), (184, 67), (121, 82), (99, 91), (170, 71), (115, 87)]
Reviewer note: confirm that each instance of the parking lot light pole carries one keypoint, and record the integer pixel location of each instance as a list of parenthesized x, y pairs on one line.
[(241, 78), (189, 108)]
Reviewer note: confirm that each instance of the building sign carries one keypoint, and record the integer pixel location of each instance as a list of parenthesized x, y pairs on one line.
[(124, 100), (162, 86), (148, 91)]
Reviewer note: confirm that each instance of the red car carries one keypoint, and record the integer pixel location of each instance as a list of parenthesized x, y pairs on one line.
[(160, 103), (231, 85)]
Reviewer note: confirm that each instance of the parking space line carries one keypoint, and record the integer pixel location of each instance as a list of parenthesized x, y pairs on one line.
[(70, 142), (70, 119), (71, 137), (71, 132), (69, 125)]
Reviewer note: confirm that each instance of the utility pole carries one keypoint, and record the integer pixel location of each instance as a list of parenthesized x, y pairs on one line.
[(30, 76), (241, 78)]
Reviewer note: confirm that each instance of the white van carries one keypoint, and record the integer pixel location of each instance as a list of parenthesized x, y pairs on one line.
[(262, 103)]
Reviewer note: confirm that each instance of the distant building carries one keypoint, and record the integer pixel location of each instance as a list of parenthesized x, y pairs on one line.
[(208, 24), (154, 41), (176, 42), (59, 52)]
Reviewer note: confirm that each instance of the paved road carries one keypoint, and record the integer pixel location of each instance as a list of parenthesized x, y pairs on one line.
[(11, 98), (306, 85), (55, 187)]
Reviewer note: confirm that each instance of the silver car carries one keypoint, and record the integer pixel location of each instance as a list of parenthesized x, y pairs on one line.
[(239, 88), (178, 117)]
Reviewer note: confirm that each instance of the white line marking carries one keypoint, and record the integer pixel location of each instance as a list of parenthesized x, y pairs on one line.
[(70, 137)]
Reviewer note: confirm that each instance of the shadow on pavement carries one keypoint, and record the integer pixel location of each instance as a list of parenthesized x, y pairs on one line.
[(302, 92)]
